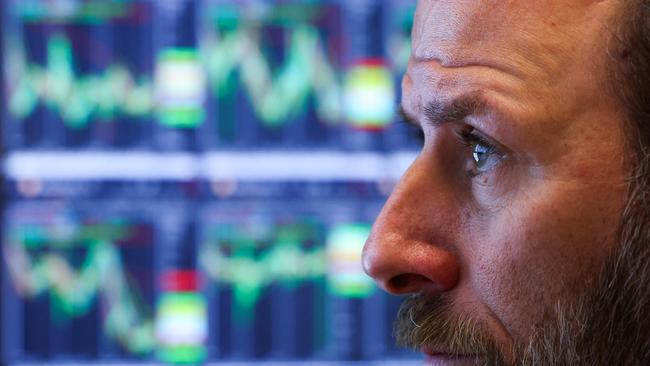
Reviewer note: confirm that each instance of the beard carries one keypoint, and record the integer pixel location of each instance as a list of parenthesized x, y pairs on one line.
[(607, 323), (429, 323)]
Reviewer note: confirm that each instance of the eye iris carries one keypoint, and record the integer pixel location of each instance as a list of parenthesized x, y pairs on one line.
[(480, 154)]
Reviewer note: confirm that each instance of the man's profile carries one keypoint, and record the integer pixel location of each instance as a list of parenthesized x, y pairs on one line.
[(521, 233)]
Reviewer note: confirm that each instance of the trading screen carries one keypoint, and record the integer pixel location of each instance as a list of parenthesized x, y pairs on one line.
[(192, 181)]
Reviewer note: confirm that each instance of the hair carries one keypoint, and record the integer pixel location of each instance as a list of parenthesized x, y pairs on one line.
[(629, 69), (617, 319)]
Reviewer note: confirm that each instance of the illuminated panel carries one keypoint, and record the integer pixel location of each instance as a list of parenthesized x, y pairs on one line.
[(369, 95), (181, 322), (345, 274), (180, 87)]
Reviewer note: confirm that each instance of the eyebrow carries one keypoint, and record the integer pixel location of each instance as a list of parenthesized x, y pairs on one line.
[(440, 112)]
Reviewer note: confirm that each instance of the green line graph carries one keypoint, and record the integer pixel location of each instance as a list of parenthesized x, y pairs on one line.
[(250, 262), (275, 95), (249, 259), (101, 277), (235, 54), (78, 99)]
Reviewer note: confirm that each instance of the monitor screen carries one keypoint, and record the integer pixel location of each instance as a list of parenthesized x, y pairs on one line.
[(193, 181)]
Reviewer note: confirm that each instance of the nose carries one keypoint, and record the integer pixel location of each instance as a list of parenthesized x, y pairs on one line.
[(411, 245)]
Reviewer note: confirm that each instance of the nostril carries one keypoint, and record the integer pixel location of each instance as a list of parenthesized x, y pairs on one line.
[(398, 283), (407, 282)]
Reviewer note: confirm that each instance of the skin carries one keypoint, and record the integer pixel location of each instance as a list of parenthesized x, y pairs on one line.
[(509, 243)]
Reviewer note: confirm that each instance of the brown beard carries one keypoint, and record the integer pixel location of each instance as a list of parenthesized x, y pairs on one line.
[(607, 324), (611, 325), (429, 323)]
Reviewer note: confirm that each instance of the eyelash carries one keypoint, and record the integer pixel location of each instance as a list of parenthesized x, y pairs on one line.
[(470, 138)]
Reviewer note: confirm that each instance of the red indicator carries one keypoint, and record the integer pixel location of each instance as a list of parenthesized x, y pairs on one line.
[(180, 281)]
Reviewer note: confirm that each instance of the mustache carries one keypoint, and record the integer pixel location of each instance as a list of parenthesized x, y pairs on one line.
[(430, 324)]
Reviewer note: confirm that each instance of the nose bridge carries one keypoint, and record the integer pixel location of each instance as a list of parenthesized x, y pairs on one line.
[(410, 247)]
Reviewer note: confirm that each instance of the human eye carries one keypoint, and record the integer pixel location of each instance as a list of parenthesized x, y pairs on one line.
[(485, 155)]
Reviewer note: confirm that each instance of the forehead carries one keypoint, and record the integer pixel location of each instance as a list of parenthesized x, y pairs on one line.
[(525, 57), (458, 31)]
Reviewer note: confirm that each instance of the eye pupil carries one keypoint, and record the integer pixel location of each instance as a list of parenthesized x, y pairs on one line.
[(480, 154)]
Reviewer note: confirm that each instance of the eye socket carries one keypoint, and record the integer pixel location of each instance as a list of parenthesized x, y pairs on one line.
[(485, 155)]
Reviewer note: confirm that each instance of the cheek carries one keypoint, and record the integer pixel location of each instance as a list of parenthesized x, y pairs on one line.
[(541, 248)]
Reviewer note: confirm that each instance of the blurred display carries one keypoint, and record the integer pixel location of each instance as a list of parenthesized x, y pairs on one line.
[(81, 281), (192, 181), (78, 74), (277, 270), (282, 63)]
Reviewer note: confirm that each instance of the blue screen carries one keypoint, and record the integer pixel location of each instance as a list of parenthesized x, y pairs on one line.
[(192, 181)]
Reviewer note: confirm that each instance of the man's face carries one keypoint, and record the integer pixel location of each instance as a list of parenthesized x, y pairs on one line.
[(513, 204)]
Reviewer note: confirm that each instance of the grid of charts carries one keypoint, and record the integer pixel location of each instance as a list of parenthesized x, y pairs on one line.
[(193, 181)]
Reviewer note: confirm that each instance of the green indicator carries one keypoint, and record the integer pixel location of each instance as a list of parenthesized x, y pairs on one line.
[(181, 117), (178, 54), (399, 39), (369, 97), (181, 327), (280, 14), (61, 237), (183, 355), (88, 12), (345, 274), (180, 84)]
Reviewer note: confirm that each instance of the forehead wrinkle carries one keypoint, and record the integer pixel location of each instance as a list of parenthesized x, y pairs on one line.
[(510, 36)]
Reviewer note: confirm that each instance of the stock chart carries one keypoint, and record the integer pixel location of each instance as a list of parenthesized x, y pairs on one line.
[(264, 267), (81, 78), (82, 284), (193, 181)]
